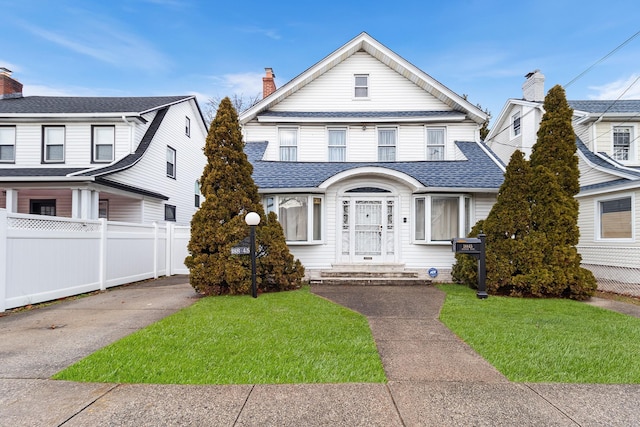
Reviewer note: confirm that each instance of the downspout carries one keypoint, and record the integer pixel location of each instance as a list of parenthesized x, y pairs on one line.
[(132, 149)]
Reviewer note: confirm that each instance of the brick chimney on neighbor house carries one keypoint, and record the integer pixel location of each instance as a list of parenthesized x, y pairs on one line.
[(268, 83), (9, 88), (533, 87)]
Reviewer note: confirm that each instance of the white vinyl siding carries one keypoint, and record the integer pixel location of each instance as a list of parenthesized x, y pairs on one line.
[(53, 141), (7, 144), (288, 139), (337, 141)]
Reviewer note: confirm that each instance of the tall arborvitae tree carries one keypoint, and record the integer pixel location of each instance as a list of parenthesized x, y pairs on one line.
[(532, 228), (218, 225)]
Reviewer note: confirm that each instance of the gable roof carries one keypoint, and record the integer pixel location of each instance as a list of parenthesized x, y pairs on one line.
[(479, 172), (364, 42)]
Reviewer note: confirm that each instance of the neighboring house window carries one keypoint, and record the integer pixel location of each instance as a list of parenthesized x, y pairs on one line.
[(438, 219), (197, 194), (169, 213), (171, 162), (622, 142), (300, 216), (515, 124), (103, 209), (187, 126), (616, 218), (288, 138), (337, 144), (387, 144), (42, 207), (7, 144), (53, 144), (435, 143), (361, 86), (103, 143)]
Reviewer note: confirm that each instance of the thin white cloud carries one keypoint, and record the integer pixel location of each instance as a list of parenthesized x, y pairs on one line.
[(104, 42), (241, 84), (626, 88)]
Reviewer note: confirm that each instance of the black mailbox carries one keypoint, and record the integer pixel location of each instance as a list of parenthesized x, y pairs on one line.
[(475, 247)]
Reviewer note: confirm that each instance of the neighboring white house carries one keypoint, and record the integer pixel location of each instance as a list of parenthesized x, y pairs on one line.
[(609, 161), (130, 159), (370, 162)]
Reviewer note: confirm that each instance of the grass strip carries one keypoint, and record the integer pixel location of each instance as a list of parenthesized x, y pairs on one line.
[(277, 338), (546, 340)]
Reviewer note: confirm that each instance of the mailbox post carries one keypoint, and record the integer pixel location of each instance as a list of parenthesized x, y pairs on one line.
[(476, 248)]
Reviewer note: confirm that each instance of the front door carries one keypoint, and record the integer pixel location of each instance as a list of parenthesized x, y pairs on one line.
[(368, 230)]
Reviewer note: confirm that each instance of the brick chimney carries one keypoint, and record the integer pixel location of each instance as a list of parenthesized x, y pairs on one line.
[(533, 87), (268, 83), (9, 88)]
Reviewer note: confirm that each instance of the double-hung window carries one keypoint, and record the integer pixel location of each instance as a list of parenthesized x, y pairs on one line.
[(435, 143), (361, 88), (439, 218), (102, 147), (7, 144), (615, 218), (387, 139), (53, 144), (515, 124), (622, 143), (337, 144), (171, 162), (187, 126), (288, 137), (299, 215)]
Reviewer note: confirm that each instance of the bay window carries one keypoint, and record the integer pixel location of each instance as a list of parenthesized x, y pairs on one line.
[(439, 218), (301, 216)]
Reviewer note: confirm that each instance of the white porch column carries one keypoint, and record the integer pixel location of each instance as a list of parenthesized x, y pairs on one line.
[(95, 204), (75, 203), (85, 204), (12, 200)]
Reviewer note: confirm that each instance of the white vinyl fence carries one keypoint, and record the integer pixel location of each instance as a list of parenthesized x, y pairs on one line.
[(44, 258)]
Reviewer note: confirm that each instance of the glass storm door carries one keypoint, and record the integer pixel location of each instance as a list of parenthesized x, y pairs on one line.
[(368, 228)]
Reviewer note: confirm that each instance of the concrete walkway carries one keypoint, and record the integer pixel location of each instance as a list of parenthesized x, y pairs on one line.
[(434, 378)]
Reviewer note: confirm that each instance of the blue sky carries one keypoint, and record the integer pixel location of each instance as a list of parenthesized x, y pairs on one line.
[(217, 48)]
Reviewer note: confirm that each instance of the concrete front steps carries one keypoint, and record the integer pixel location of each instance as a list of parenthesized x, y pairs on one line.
[(370, 275)]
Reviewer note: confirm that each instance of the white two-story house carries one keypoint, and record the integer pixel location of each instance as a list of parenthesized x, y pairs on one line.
[(131, 159), (370, 162), (609, 162)]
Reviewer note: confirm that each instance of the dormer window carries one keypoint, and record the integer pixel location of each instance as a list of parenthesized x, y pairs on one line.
[(361, 86)]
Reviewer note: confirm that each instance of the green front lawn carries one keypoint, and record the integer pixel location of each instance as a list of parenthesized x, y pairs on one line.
[(285, 337), (546, 340)]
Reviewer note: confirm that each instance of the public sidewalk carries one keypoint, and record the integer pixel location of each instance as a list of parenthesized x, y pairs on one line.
[(434, 378)]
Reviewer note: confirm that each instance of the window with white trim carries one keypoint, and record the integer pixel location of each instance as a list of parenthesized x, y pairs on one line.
[(387, 140), (197, 194), (187, 126), (7, 144), (622, 137), (615, 218), (53, 144), (337, 144), (515, 125), (170, 213), (435, 143), (171, 162), (288, 139), (361, 87), (439, 218), (300, 215), (103, 142)]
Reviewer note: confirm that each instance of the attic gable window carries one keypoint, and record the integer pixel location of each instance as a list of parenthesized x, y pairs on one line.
[(515, 124), (361, 86)]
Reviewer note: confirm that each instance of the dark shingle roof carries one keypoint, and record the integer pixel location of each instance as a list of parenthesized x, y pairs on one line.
[(48, 172), (479, 171), (599, 161), (85, 105), (360, 114), (595, 106)]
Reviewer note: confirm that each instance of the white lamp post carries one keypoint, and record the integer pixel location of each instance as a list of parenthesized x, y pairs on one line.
[(252, 219)]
